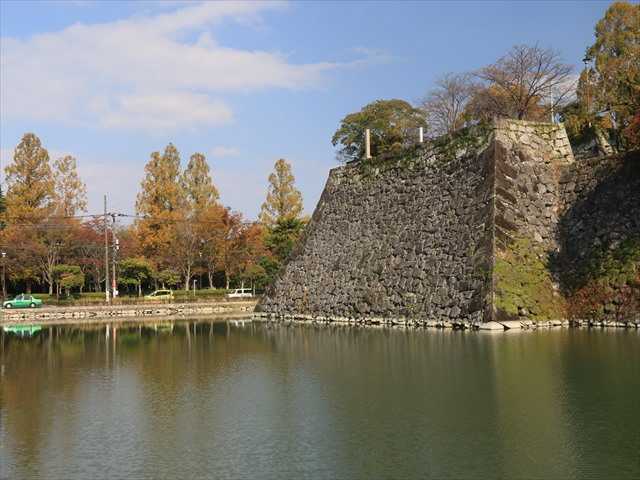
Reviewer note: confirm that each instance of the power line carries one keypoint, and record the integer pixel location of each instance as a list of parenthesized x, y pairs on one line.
[(46, 224)]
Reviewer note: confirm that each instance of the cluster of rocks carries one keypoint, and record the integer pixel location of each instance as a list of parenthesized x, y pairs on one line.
[(580, 323), (411, 323), (528, 325)]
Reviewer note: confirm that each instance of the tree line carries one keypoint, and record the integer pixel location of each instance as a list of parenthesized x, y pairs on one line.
[(527, 83), (180, 231)]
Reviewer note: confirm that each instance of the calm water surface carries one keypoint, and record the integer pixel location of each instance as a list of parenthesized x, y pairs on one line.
[(258, 401)]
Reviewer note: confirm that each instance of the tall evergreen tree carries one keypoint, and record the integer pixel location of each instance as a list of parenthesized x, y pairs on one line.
[(284, 200)]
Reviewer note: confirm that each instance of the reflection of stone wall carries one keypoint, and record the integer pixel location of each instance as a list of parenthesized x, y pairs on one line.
[(464, 231)]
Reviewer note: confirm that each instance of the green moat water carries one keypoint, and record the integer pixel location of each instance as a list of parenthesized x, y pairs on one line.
[(262, 401)]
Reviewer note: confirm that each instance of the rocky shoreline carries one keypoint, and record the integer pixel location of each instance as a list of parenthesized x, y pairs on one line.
[(444, 324)]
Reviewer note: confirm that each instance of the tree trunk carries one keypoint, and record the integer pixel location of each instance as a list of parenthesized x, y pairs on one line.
[(139, 289), (187, 278), (210, 275), (226, 279), (28, 286)]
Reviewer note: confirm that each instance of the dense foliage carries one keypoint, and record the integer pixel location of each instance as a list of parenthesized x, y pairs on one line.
[(392, 124), (181, 236)]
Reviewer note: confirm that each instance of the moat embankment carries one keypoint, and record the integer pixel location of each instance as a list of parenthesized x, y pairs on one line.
[(126, 313)]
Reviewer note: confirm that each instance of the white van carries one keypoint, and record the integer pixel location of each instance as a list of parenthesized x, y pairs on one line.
[(240, 293)]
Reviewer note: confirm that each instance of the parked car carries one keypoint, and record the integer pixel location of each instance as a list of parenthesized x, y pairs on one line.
[(240, 293), (160, 295), (23, 301)]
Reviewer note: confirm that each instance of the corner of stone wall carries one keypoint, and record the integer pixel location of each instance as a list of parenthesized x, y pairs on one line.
[(529, 158)]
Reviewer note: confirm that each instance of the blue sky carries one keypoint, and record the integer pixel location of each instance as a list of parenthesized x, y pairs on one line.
[(243, 83)]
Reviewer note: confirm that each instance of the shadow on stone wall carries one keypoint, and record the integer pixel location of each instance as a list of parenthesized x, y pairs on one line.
[(599, 234)]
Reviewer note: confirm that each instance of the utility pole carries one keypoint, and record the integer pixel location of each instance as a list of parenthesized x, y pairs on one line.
[(4, 282), (585, 60), (114, 244), (106, 253)]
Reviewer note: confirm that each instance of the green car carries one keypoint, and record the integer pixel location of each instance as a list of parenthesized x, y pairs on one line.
[(23, 301)]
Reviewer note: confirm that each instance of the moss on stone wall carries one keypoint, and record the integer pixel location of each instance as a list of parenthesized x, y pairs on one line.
[(608, 284), (524, 285), (617, 263)]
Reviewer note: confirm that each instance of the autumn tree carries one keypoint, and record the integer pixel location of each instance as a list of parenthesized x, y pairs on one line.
[(248, 249), (218, 225), (445, 104), (160, 203), (198, 186), (3, 209), (392, 124), (70, 192), (611, 84), (68, 277), (284, 200), (29, 201), (200, 196), (526, 83), (30, 182), (88, 242), (224, 244)]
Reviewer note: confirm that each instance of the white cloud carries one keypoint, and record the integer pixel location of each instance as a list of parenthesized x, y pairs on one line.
[(162, 111), (224, 152), (131, 73)]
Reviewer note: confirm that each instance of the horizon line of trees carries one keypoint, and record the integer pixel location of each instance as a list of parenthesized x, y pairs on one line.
[(181, 231)]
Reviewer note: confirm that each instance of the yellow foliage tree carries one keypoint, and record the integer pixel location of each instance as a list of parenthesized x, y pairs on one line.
[(283, 201), (160, 203)]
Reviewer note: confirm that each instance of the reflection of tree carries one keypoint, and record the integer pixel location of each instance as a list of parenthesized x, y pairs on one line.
[(36, 370)]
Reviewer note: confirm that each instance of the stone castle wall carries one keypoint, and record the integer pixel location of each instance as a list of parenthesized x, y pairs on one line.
[(529, 158), (599, 233), (466, 231), (400, 238)]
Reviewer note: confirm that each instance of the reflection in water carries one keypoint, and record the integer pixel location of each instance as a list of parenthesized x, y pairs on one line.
[(178, 400)]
